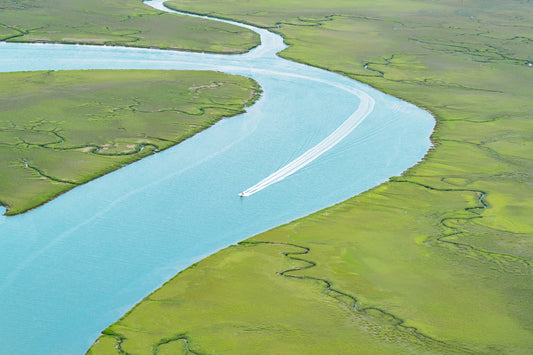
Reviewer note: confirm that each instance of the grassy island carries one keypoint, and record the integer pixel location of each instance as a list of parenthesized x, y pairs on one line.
[(438, 260), (59, 129)]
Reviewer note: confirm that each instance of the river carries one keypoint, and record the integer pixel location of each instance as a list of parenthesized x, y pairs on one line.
[(76, 264)]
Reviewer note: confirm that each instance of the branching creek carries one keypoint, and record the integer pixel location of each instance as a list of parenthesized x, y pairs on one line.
[(76, 264)]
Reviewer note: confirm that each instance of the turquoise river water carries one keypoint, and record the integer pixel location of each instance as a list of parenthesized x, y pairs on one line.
[(70, 268)]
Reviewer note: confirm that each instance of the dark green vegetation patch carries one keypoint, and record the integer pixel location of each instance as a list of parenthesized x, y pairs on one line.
[(117, 22), (61, 129), (439, 260)]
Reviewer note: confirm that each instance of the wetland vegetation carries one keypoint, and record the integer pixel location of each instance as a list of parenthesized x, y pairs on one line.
[(118, 22), (435, 261), (59, 129)]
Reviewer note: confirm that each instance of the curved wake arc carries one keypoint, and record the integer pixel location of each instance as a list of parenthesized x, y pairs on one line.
[(365, 108)]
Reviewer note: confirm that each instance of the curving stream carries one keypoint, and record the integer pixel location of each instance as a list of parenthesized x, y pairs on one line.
[(75, 265)]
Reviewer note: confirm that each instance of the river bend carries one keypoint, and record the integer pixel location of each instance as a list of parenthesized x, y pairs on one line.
[(75, 265)]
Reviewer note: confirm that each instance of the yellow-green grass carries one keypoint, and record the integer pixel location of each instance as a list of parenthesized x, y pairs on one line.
[(59, 129), (117, 22), (416, 291), (437, 260)]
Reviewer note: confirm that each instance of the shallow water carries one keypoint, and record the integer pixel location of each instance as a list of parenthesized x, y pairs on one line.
[(75, 265)]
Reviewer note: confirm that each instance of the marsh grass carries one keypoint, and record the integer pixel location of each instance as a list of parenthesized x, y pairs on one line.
[(59, 129), (119, 22)]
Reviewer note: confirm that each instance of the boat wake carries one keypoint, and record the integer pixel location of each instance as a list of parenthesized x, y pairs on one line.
[(365, 108)]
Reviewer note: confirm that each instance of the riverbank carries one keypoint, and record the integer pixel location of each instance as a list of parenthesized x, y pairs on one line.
[(61, 129), (118, 23), (438, 260)]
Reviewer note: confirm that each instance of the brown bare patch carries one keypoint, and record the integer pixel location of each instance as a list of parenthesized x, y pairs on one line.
[(210, 86)]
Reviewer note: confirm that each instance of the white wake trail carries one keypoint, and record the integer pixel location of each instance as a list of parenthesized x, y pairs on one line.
[(366, 106)]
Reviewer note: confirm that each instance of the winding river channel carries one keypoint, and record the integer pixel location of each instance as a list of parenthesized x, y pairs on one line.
[(70, 268)]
